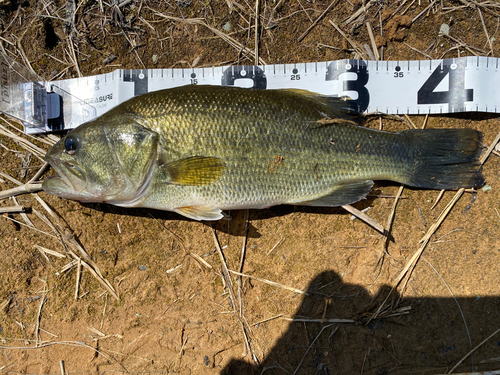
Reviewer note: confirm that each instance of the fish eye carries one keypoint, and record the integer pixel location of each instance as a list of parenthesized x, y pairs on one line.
[(70, 145)]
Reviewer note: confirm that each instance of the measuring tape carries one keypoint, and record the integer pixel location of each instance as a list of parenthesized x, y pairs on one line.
[(466, 84)]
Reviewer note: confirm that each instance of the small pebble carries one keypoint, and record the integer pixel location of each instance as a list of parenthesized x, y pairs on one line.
[(196, 61), (444, 29), (227, 27), (155, 59), (206, 360), (142, 267), (183, 4), (486, 188), (108, 59)]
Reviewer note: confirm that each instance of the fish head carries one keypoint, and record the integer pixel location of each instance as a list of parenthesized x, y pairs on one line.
[(103, 161)]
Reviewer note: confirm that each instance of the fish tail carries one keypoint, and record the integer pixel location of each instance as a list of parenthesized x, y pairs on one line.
[(444, 158)]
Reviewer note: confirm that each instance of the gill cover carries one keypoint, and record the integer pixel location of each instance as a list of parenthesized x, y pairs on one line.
[(134, 149)]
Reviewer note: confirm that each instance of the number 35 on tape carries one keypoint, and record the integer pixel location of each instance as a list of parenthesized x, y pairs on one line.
[(447, 86)]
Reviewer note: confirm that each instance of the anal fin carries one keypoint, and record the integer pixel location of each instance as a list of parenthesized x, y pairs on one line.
[(342, 195), (201, 212)]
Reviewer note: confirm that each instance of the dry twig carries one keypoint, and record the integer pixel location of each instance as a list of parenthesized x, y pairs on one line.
[(354, 45), (13, 210), (303, 35), (473, 350), (23, 189), (364, 217), (270, 283)]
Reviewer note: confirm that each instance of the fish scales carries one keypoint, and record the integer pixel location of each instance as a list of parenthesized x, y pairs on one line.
[(249, 130), (274, 147)]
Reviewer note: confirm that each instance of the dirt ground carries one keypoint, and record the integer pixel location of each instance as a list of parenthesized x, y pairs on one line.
[(173, 312)]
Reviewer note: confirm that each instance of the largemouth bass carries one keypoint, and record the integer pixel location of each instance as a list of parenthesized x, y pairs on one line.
[(198, 150)]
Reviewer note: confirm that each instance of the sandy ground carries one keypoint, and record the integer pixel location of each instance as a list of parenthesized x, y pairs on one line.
[(173, 312)]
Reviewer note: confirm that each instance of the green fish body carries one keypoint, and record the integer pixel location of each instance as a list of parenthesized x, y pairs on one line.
[(198, 150)]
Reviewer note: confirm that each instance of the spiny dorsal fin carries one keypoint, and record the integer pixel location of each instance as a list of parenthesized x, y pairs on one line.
[(195, 170)]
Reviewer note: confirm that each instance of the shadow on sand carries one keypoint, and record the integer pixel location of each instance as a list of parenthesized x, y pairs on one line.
[(429, 339)]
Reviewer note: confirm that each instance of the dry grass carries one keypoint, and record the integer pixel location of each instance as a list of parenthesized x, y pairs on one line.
[(361, 29)]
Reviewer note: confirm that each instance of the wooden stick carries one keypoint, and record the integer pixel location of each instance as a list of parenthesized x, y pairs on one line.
[(265, 320), (310, 346), (425, 121), (425, 10), (23, 189), (372, 40), (200, 21), (411, 122), (359, 12), (362, 216), (23, 215), (317, 20), (350, 41), (78, 274), (311, 320), (256, 32), (473, 350), (39, 173), (13, 210), (37, 326), (390, 220), (440, 195), (225, 271), (49, 251), (490, 149), (485, 30), (411, 264), (270, 282)]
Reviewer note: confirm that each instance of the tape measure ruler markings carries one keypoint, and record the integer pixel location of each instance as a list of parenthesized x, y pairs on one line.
[(465, 84)]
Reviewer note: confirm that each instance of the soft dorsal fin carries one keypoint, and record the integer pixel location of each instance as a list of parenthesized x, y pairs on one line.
[(342, 195), (334, 107), (195, 170)]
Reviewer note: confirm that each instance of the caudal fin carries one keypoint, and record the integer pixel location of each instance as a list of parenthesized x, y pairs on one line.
[(445, 158)]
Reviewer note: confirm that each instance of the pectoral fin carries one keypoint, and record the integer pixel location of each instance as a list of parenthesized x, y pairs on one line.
[(342, 195), (201, 212), (195, 170)]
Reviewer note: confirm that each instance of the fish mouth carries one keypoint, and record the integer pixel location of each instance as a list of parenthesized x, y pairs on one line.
[(69, 182), (56, 185)]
